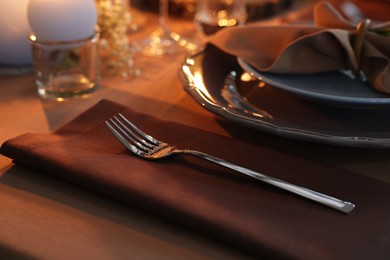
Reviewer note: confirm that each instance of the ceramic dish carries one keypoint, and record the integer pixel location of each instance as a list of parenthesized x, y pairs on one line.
[(217, 82), (334, 88)]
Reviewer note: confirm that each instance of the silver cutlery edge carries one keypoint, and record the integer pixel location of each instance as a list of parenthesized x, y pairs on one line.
[(147, 147)]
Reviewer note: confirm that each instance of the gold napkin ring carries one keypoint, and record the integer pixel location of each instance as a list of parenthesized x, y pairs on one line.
[(361, 31)]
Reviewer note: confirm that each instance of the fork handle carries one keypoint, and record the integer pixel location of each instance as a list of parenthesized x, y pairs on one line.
[(329, 201)]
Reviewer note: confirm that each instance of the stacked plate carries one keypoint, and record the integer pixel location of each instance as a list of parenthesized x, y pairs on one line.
[(331, 108)]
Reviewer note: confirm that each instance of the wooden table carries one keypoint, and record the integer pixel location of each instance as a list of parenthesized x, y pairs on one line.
[(47, 218)]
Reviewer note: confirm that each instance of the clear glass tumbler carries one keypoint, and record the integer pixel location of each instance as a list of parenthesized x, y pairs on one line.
[(213, 15), (66, 69)]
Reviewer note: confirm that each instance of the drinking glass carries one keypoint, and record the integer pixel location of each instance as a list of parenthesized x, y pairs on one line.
[(164, 41), (213, 15)]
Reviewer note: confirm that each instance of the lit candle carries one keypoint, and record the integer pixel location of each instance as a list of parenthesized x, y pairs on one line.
[(62, 20), (14, 30)]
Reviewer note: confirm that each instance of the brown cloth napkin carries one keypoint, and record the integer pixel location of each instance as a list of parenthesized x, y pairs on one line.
[(327, 45), (219, 203)]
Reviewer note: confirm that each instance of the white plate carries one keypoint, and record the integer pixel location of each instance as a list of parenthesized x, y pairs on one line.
[(333, 88)]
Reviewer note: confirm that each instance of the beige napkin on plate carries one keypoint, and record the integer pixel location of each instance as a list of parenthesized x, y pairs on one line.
[(327, 45)]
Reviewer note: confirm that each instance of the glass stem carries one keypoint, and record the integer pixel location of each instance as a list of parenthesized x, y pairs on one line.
[(164, 15)]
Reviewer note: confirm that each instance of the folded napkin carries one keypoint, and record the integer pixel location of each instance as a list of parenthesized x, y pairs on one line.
[(331, 44), (221, 204)]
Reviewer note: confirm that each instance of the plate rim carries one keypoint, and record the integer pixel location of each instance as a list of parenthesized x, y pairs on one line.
[(315, 96), (293, 133)]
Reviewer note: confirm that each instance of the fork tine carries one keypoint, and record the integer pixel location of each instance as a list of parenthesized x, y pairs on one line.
[(122, 139), (141, 143), (141, 133), (128, 135)]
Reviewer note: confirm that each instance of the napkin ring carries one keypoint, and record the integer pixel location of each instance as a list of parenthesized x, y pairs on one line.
[(361, 31)]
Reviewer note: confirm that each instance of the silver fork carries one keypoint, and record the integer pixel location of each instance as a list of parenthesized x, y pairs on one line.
[(150, 148)]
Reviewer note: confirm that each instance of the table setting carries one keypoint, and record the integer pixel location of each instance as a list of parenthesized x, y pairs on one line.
[(279, 164)]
